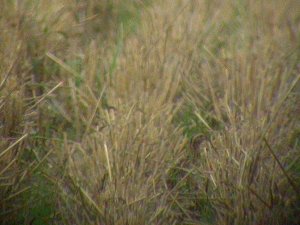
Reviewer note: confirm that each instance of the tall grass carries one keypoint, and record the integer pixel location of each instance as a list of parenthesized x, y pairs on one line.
[(149, 112)]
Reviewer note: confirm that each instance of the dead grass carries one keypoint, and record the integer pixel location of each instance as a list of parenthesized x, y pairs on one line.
[(149, 112)]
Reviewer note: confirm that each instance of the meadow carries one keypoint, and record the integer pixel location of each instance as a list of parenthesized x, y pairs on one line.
[(131, 112)]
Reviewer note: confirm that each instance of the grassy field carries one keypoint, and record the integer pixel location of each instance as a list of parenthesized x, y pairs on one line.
[(131, 112)]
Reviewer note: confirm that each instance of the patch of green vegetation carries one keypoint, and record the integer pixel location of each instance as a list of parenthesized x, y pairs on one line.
[(129, 17), (205, 210), (117, 53), (192, 125), (186, 185), (77, 66), (39, 202)]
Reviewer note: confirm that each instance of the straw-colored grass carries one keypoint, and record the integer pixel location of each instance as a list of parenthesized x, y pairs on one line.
[(149, 112)]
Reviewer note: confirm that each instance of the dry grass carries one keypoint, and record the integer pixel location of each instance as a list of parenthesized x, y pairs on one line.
[(149, 112)]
